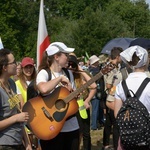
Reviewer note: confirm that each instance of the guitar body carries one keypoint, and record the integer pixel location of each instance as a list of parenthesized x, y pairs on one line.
[(48, 114)]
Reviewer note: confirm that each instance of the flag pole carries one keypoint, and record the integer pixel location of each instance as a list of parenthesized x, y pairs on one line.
[(43, 38)]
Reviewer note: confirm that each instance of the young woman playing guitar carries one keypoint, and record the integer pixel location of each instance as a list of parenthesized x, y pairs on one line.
[(56, 58)]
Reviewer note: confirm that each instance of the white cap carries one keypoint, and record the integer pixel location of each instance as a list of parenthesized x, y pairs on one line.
[(127, 55), (93, 59), (56, 47)]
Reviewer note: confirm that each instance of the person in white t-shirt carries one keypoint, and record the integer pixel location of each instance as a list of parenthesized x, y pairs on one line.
[(137, 58), (56, 58)]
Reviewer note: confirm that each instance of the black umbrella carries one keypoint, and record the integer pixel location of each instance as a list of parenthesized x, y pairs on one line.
[(145, 43), (117, 42)]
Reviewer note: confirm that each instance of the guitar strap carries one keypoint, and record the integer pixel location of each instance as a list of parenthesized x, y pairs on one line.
[(64, 69), (31, 90), (66, 72)]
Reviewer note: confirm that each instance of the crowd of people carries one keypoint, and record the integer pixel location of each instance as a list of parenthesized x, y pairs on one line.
[(98, 100)]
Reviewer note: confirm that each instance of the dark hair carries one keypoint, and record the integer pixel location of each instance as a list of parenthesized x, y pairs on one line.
[(4, 58), (73, 61), (115, 52), (73, 58), (135, 60)]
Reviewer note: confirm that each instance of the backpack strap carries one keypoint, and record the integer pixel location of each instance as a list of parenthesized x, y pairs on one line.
[(125, 88), (32, 92), (64, 69), (142, 87), (66, 72), (49, 73)]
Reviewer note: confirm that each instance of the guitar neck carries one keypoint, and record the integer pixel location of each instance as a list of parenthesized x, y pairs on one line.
[(82, 88)]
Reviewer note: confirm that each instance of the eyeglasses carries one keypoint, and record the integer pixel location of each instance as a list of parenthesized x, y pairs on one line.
[(72, 65), (14, 62)]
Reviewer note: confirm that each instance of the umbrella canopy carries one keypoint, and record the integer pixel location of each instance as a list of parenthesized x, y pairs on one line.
[(117, 42), (145, 43)]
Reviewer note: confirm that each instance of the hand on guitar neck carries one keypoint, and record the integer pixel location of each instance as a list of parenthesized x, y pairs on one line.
[(48, 114)]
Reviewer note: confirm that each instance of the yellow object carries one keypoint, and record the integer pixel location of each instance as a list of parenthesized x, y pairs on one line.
[(24, 95), (82, 109), (22, 90)]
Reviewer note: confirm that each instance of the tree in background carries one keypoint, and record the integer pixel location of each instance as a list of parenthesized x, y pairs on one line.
[(18, 26), (136, 15), (86, 25)]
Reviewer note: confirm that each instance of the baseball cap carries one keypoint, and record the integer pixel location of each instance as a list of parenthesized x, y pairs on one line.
[(27, 61), (56, 47)]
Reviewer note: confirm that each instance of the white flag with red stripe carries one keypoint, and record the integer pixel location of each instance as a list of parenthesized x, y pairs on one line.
[(43, 38)]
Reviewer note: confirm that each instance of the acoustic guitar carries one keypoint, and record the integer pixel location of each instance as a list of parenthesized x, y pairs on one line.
[(47, 114)]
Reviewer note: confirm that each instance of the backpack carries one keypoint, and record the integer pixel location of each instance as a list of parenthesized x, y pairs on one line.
[(133, 120), (32, 92)]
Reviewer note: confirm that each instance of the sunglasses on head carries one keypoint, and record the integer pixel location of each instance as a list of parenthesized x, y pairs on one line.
[(72, 65)]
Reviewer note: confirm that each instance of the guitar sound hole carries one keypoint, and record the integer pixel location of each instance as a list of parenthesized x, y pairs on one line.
[(60, 104)]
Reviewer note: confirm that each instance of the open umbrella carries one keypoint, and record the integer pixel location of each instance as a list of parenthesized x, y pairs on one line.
[(117, 42), (143, 42)]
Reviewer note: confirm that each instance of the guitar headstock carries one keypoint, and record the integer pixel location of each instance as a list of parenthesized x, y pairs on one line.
[(107, 68)]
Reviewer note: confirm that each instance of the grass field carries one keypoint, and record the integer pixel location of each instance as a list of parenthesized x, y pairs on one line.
[(96, 139)]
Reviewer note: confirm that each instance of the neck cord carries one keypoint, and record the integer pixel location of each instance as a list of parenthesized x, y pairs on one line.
[(13, 98), (60, 84)]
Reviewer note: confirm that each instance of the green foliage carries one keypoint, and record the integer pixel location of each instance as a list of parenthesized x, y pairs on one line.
[(18, 27), (135, 15), (86, 25), (91, 33)]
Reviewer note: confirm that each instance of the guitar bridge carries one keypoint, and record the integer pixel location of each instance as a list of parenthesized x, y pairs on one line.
[(47, 114)]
